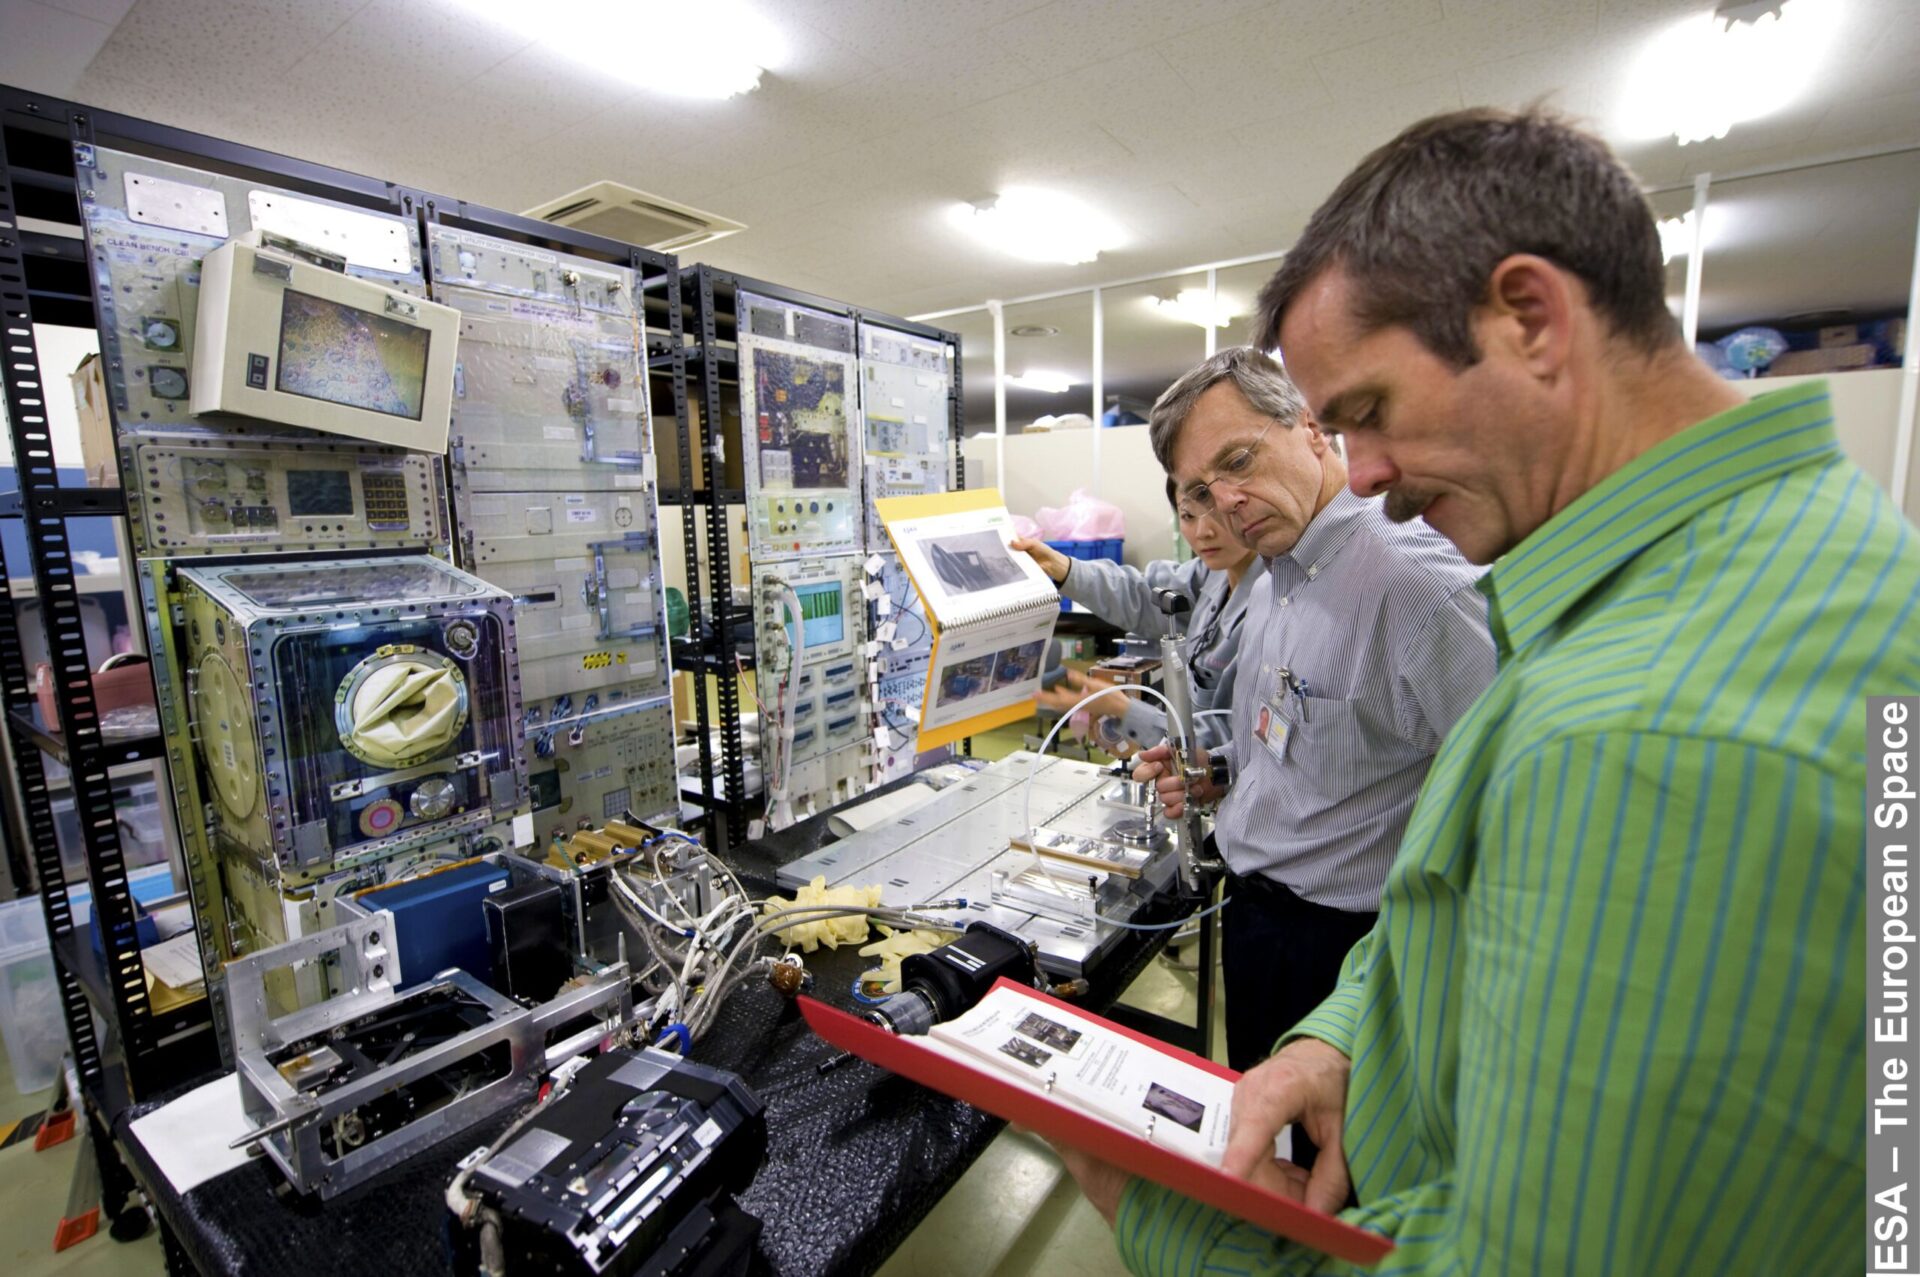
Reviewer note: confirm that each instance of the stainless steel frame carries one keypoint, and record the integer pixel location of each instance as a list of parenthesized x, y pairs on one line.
[(365, 966)]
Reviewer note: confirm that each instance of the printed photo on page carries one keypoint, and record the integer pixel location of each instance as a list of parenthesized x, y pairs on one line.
[(1131, 1084), (987, 666), (963, 565)]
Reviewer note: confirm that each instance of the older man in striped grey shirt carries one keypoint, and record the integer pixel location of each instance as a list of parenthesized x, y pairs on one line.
[(1364, 643)]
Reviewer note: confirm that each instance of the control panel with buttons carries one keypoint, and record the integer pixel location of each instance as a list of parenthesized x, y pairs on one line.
[(238, 493), (814, 667), (788, 524), (906, 397), (800, 398)]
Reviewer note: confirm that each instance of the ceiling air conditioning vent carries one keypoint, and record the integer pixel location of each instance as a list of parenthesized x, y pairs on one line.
[(634, 217)]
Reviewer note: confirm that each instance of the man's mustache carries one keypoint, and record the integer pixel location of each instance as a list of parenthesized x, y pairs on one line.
[(1404, 505)]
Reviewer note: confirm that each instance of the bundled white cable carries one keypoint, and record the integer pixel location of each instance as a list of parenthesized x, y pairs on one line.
[(779, 805)]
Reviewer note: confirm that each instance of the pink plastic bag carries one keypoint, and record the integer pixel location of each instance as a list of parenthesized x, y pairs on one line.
[(1083, 518), (1094, 519)]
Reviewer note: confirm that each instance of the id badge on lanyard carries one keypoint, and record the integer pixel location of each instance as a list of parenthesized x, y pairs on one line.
[(1273, 717)]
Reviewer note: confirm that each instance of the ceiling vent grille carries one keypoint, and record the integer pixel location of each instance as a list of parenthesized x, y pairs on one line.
[(635, 217)]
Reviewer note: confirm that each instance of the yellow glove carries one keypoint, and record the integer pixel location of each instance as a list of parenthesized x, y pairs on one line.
[(405, 712), (892, 949), (810, 933)]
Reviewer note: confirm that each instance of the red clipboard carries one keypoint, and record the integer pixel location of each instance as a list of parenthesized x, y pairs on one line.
[(908, 1058)]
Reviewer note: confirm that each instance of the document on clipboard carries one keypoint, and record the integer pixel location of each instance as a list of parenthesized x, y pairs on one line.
[(991, 610), (1151, 1109)]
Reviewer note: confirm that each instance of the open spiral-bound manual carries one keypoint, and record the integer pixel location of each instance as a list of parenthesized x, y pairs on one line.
[(991, 610), (1151, 1109)]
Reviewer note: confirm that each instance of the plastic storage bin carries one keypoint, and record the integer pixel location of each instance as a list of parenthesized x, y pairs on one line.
[(137, 805), (1108, 549), (30, 1021), (31, 1025)]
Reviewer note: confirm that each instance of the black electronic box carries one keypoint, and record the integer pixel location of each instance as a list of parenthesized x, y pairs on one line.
[(628, 1172)]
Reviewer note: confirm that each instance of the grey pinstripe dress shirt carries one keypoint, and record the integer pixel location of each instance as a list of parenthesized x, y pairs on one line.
[(1361, 648)]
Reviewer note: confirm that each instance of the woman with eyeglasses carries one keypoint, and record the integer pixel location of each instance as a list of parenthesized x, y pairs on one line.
[(1217, 581)]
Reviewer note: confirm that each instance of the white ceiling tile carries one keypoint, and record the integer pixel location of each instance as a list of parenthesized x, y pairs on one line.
[(1069, 34), (1482, 32), (1247, 83), (1893, 119), (763, 142), (1562, 77), (1317, 26), (1208, 129), (226, 59), (46, 49), (1346, 128), (813, 61), (885, 31), (395, 52), (924, 88), (107, 11), (1134, 99)]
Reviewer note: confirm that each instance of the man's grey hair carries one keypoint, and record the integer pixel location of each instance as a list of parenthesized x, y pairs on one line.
[(1259, 377)]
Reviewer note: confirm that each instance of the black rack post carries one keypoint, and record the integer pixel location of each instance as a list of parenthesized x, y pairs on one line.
[(79, 720), (45, 165), (959, 425), (690, 544), (714, 297), (718, 649)]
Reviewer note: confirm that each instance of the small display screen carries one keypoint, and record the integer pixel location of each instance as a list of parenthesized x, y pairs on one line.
[(346, 355), (312, 492), (821, 616)]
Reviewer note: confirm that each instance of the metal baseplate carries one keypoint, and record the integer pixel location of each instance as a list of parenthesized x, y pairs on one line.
[(1107, 856)]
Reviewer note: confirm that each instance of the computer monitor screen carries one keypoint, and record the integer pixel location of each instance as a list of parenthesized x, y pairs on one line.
[(346, 355), (821, 614), (311, 492)]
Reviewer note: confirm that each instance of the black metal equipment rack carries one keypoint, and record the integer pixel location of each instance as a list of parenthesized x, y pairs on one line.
[(44, 278), (713, 363)]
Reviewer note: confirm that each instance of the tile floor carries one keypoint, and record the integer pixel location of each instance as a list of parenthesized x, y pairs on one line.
[(1014, 1213)]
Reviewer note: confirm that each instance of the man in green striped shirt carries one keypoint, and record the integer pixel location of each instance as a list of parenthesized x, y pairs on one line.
[(1612, 1017)]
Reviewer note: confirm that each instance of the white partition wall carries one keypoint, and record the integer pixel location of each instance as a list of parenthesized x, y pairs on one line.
[(1817, 243)]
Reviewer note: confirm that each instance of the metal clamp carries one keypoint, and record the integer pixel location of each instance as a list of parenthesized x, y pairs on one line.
[(597, 593)]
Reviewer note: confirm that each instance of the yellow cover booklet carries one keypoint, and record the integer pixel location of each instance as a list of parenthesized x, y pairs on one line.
[(991, 610)]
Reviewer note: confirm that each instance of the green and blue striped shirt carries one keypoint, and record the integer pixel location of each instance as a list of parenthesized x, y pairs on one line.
[(1612, 1017)]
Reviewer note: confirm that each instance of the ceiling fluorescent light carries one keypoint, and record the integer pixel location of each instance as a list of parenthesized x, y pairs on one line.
[(1711, 71), (1192, 306), (1049, 383), (1038, 226), (1676, 233), (1676, 236), (714, 49)]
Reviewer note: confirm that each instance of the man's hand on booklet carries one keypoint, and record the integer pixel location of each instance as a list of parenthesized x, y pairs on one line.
[(1156, 765), (1306, 1083)]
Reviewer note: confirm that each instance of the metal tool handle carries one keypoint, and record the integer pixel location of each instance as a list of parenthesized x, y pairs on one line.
[(1196, 868), (273, 1128)]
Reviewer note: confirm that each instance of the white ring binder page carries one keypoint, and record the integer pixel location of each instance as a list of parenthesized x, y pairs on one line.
[(991, 610)]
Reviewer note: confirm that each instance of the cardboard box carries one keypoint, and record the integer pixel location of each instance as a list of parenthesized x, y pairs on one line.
[(96, 423), (1833, 359), (1839, 335), (683, 698)]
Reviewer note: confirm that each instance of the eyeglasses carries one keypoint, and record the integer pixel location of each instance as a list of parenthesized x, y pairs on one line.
[(1234, 472)]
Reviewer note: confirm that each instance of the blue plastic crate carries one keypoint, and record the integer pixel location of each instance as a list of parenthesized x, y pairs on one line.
[(1109, 549), (440, 921)]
